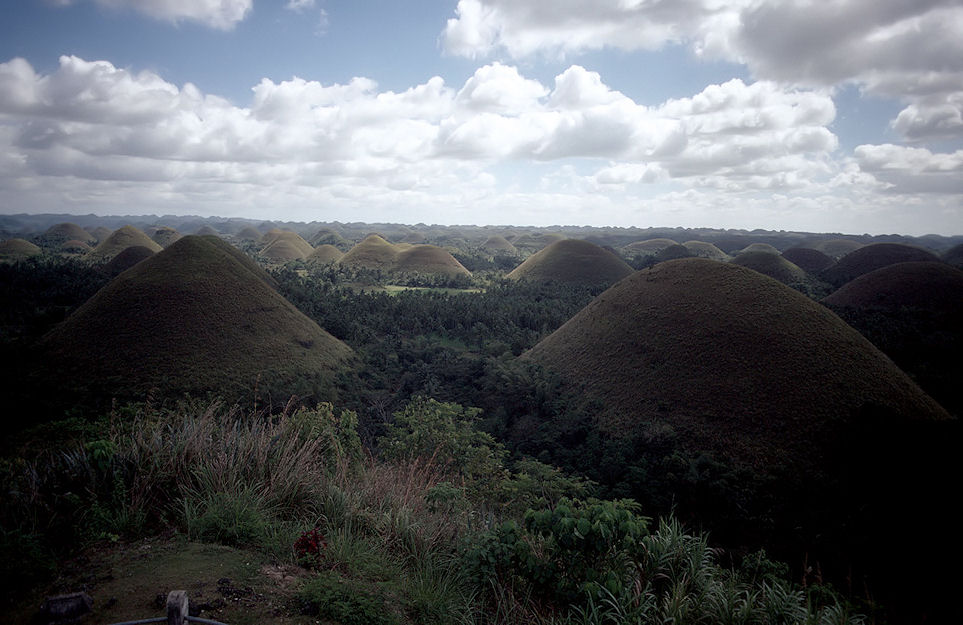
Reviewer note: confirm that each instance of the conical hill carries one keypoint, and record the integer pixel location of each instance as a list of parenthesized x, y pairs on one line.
[(574, 261), (165, 236), (373, 252), (738, 363), (872, 257), (772, 265), (285, 246), (127, 258), (126, 236), (57, 234), (809, 260), (325, 254), (198, 317), (498, 244), (929, 286), (429, 259), (18, 249), (702, 249)]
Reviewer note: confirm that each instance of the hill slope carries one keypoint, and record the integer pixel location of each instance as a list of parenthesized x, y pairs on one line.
[(572, 260), (196, 317), (872, 257), (772, 265), (429, 259), (124, 237), (744, 366)]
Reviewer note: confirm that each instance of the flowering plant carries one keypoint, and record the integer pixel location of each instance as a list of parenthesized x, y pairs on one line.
[(309, 546)]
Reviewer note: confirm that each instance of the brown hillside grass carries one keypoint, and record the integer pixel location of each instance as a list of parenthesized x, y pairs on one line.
[(772, 265), (498, 243), (73, 246), (736, 362), (248, 234), (371, 253), (164, 236), (758, 247), (872, 257), (930, 286), (18, 249), (325, 254), (573, 261), (649, 246), (809, 260), (127, 258), (286, 247), (703, 249), (100, 233), (59, 233), (207, 231), (198, 317), (327, 236), (429, 259), (126, 236)]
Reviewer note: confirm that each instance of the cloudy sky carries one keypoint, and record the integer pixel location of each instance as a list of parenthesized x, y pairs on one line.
[(817, 115)]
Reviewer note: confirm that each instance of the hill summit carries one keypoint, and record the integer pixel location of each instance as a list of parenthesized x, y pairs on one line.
[(738, 363), (197, 317), (574, 261)]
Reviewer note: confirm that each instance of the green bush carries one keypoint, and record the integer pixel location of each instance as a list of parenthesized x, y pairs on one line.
[(346, 601), (235, 519)]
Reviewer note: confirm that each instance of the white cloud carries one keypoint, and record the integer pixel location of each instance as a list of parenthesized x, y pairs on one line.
[(91, 135), (220, 14), (906, 49), (299, 5)]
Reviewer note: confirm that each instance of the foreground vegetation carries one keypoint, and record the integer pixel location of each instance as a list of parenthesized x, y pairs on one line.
[(440, 528)]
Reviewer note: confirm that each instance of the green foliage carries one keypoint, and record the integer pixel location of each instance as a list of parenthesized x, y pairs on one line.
[(347, 601), (235, 519), (445, 435), (338, 433)]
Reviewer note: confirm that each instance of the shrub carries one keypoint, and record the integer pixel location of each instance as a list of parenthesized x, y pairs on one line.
[(349, 602)]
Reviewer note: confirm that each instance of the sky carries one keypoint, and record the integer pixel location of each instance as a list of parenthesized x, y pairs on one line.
[(809, 115)]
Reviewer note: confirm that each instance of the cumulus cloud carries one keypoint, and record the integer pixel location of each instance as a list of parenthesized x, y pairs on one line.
[(91, 132), (905, 49), (220, 14), (909, 170)]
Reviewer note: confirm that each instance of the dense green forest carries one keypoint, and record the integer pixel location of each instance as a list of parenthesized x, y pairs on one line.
[(440, 478)]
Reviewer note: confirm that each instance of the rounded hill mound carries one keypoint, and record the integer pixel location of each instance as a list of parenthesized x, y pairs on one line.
[(772, 265), (372, 252), (739, 364), (872, 257), (198, 317), (498, 244), (327, 236), (127, 258), (18, 249), (207, 231), (809, 260), (429, 259), (124, 237), (954, 256), (325, 254), (100, 233), (918, 285), (165, 236), (574, 261), (248, 234), (759, 247), (59, 233), (703, 249), (285, 246), (649, 246), (75, 247)]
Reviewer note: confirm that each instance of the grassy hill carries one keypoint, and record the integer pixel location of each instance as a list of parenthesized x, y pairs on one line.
[(429, 259), (759, 247), (196, 317), (123, 237), (285, 246), (57, 234), (954, 255), (837, 248), (702, 249), (373, 252), (572, 260), (772, 265), (127, 258), (248, 233), (923, 285), (498, 244), (324, 254), (809, 260), (872, 257), (649, 246), (17, 249), (164, 236)]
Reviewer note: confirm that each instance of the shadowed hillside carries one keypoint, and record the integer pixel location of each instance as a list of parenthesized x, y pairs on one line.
[(739, 366), (165, 236), (124, 237), (914, 313), (837, 248), (284, 246), (198, 317), (574, 261), (954, 256), (872, 257), (649, 246), (498, 243), (809, 260), (127, 258), (18, 249), (772, 265), (759, 247)]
